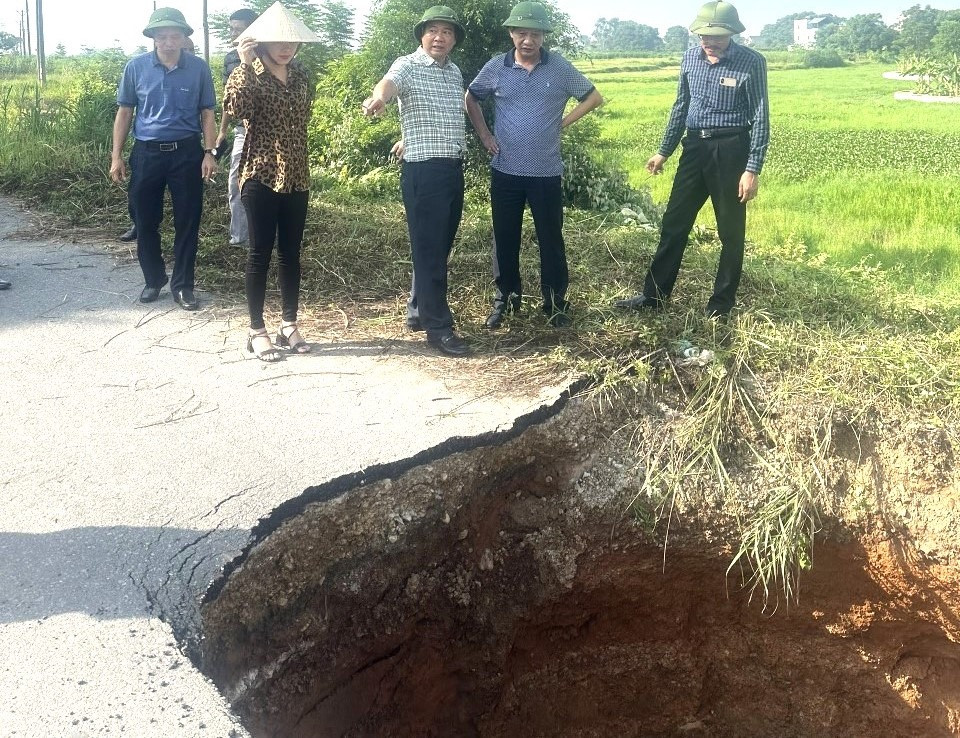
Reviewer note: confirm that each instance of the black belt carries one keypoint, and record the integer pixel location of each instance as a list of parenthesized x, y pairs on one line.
[(170, 145), (717, 132)]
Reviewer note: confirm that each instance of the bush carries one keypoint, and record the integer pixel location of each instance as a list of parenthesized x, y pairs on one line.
[(342, 140), (588, 182), (346, 145), (822, 59), (937, 75)]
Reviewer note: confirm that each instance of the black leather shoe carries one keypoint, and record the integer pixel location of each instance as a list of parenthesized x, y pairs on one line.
[(560, 319), (450, 344), (718, 313), (413, 323), (501, 310), (149, 294), (640, 302), (186, 299), (5, 285), (129, 235)]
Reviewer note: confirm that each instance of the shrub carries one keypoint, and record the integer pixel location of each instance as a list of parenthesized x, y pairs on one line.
[(589, 182), (937, 75), (822, 59)]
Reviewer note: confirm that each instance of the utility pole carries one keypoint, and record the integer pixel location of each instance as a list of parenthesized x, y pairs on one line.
[(206, 34), (23, 43), (41, 56), (26, 11)]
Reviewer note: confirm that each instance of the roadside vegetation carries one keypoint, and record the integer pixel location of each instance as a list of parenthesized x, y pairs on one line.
[(850, 304)]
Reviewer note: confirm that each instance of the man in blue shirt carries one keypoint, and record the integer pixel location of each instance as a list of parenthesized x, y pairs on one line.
[(530, 88), (723, 105), (172, 93)]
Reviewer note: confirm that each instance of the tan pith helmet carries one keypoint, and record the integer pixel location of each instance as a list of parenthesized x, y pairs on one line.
[(717, 19), (276, 23)]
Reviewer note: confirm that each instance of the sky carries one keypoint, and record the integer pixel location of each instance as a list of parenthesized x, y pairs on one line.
[(105, 23)]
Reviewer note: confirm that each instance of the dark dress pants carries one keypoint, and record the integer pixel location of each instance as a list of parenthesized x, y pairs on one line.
[(433, 200), (273, 217), (153, 170), (707, 168), (131, 210), (509, 194)]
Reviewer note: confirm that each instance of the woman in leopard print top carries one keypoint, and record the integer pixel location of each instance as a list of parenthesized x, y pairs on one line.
[(270, 92)]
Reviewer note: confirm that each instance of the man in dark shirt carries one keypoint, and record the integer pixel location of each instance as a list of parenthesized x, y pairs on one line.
[(172, 93), (723, 105), (530, 88), (429, 88), (239, 22)]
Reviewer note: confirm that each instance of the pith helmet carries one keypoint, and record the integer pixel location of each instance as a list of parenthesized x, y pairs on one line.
[(276, 23), (529, 15), (717, 19), (439, 13), (166, 18)]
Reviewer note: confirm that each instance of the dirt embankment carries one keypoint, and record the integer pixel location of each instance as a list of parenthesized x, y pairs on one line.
[(500, 592)]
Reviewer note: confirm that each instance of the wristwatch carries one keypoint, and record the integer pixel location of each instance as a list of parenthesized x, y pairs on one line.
[(212, 152)]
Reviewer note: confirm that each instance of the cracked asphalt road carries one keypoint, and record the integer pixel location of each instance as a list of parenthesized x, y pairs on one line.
[(140, 445)]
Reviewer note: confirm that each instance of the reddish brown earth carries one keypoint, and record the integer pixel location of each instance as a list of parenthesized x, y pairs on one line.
[(484, 595), (632, 651), (870, 651)]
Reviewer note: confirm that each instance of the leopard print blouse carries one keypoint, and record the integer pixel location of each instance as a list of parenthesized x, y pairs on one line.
[(275, 116)]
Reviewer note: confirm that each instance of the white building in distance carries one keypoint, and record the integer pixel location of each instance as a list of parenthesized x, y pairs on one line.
[(805, 31)]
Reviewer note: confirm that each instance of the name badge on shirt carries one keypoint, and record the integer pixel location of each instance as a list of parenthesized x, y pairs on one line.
[(728, 81)]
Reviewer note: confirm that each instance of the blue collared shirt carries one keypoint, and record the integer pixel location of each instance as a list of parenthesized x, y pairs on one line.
[(528, 110), (732, 92), (168, 101)]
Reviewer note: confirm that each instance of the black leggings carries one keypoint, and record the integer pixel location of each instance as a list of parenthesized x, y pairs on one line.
[(273, 217)]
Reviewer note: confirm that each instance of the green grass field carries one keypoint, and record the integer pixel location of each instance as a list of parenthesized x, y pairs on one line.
[(851, 173)]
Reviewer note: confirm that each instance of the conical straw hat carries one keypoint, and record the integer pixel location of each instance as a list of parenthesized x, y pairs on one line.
[(277, 23)]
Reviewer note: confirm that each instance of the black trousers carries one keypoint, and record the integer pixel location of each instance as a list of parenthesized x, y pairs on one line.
[(509, 194), (433, 199), (152, 171), (273, 218), (131, 209), (707, 168)]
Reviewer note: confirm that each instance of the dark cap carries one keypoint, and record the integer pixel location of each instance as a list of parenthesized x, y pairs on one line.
[(245, 15)]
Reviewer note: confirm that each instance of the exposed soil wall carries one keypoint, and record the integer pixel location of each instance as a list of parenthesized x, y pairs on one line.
[(499, 592)]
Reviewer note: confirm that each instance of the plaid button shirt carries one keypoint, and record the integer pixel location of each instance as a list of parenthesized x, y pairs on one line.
[(732, 92), (431, 106)]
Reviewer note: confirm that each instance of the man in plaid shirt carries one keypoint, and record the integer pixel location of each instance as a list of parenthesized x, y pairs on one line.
[(429, 88), (722, 104)]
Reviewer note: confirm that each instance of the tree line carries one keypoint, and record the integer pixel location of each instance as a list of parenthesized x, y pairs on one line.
[(919, 30)]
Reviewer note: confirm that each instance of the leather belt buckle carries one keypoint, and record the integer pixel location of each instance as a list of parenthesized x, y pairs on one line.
[(168, 146), (705, 133)]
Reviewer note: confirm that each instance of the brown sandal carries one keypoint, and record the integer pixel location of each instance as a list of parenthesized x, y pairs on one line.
[(284, 339), (269, 354)]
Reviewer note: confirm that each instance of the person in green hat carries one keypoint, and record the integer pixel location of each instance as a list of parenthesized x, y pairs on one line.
[(429, 87), (172, 94), (721, 118), (530, 87)]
